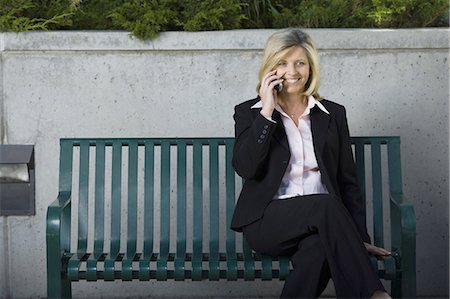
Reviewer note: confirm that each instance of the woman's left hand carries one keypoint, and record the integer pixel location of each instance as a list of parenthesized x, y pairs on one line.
[(376, 250)]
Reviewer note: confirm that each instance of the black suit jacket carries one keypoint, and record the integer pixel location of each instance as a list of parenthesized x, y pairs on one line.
[(261, 155)]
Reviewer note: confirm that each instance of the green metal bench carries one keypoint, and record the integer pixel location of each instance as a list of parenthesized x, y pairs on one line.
[(160, 208)]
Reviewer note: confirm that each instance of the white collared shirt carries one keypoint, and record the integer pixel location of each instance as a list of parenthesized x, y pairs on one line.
[(302, 174)]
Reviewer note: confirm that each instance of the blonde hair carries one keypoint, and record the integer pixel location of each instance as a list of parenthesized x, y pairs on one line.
[(282, 41)]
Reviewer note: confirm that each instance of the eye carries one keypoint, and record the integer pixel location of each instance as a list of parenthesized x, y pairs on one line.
[(282, 63), (300, 63)]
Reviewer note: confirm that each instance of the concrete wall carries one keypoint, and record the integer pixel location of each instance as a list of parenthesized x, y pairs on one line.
[(107, 84)]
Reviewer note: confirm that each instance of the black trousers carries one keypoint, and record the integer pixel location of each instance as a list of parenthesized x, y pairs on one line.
[(319, 235)]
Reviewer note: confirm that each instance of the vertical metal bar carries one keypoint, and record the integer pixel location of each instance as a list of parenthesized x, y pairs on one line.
[(161, 273), (181, 211), (65, 165), (198, 211), (395, 191), (360, 166), (132, 198), (149, 196), (249, 262), (377, 194), (230, 203), (149, 176), (99, 196), (165, 198), (83, 196), (116, 194), (394, 165), (214, 270)]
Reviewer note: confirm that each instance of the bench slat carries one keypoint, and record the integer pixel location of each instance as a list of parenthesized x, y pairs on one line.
[(230, 203), (161, 273), (249, 262), (394, 165), (181, 212), (65, 165), (110, 264), (214, 269), (165, 200), (377, 195), (361, 167), (83, 195), (91, 265), (197, 245), (284, 267), (116, 195), (266, 265), (132, 199), (149, 197), (99, 197)]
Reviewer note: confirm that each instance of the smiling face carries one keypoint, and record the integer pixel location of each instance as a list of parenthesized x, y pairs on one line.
[(283, 48), (294, 68)]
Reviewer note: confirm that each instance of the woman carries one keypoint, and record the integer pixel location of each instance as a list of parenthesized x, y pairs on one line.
[(301, 196)]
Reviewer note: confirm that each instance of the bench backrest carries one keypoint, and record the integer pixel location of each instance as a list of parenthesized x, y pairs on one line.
[(178, 194)]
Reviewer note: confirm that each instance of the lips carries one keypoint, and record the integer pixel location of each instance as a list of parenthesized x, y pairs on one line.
[(291, 81)]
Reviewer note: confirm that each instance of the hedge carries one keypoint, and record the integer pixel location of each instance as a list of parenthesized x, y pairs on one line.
[(146, 18)]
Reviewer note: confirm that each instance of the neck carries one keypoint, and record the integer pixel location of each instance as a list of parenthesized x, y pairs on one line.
[(293, 102), (294, 106)]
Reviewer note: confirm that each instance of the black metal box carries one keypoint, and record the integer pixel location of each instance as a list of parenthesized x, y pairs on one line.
[(17, 180)]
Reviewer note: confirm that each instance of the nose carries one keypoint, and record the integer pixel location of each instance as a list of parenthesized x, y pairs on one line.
[(291, 70)]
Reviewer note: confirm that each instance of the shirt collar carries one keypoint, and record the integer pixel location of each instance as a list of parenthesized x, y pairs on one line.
[(311, 103)]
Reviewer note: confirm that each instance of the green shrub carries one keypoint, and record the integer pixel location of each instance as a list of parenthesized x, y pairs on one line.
[(212, 15), (322, 13), (23, 15), (95, 15), (146, 18), (409, 13)]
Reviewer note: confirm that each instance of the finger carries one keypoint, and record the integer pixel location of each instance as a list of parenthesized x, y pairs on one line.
[(275, 82), (383, 250), (270, 86), (380, 251), (376, 250), (266, 82), (269, 74)]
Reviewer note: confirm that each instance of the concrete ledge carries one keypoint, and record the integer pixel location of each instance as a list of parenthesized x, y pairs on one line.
[(428, 38)]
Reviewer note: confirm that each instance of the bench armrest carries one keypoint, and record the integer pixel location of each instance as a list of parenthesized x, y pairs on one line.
[(58, 242), (58, 225), (403, 222), (403, 240)]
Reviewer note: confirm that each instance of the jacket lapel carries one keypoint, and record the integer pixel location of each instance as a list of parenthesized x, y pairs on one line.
[(320, 122), (319, 127)]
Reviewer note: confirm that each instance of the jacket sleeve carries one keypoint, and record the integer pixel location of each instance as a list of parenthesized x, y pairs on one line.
[(252, 142), (348, 182)]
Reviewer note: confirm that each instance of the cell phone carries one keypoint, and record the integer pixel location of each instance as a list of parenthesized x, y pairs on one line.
[(279, 87)]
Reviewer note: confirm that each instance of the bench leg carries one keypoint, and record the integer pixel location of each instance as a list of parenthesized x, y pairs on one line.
[(404, 286), (396, 288), (59, 289), (409, 286), (58, 286)]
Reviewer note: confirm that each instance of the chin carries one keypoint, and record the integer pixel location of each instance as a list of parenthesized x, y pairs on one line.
[(294, 89)]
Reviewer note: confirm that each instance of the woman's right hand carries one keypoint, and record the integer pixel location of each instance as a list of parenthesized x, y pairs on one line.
[(268, 93)]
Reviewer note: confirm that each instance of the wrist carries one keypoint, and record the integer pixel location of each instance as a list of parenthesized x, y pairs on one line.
[(267, 113)]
